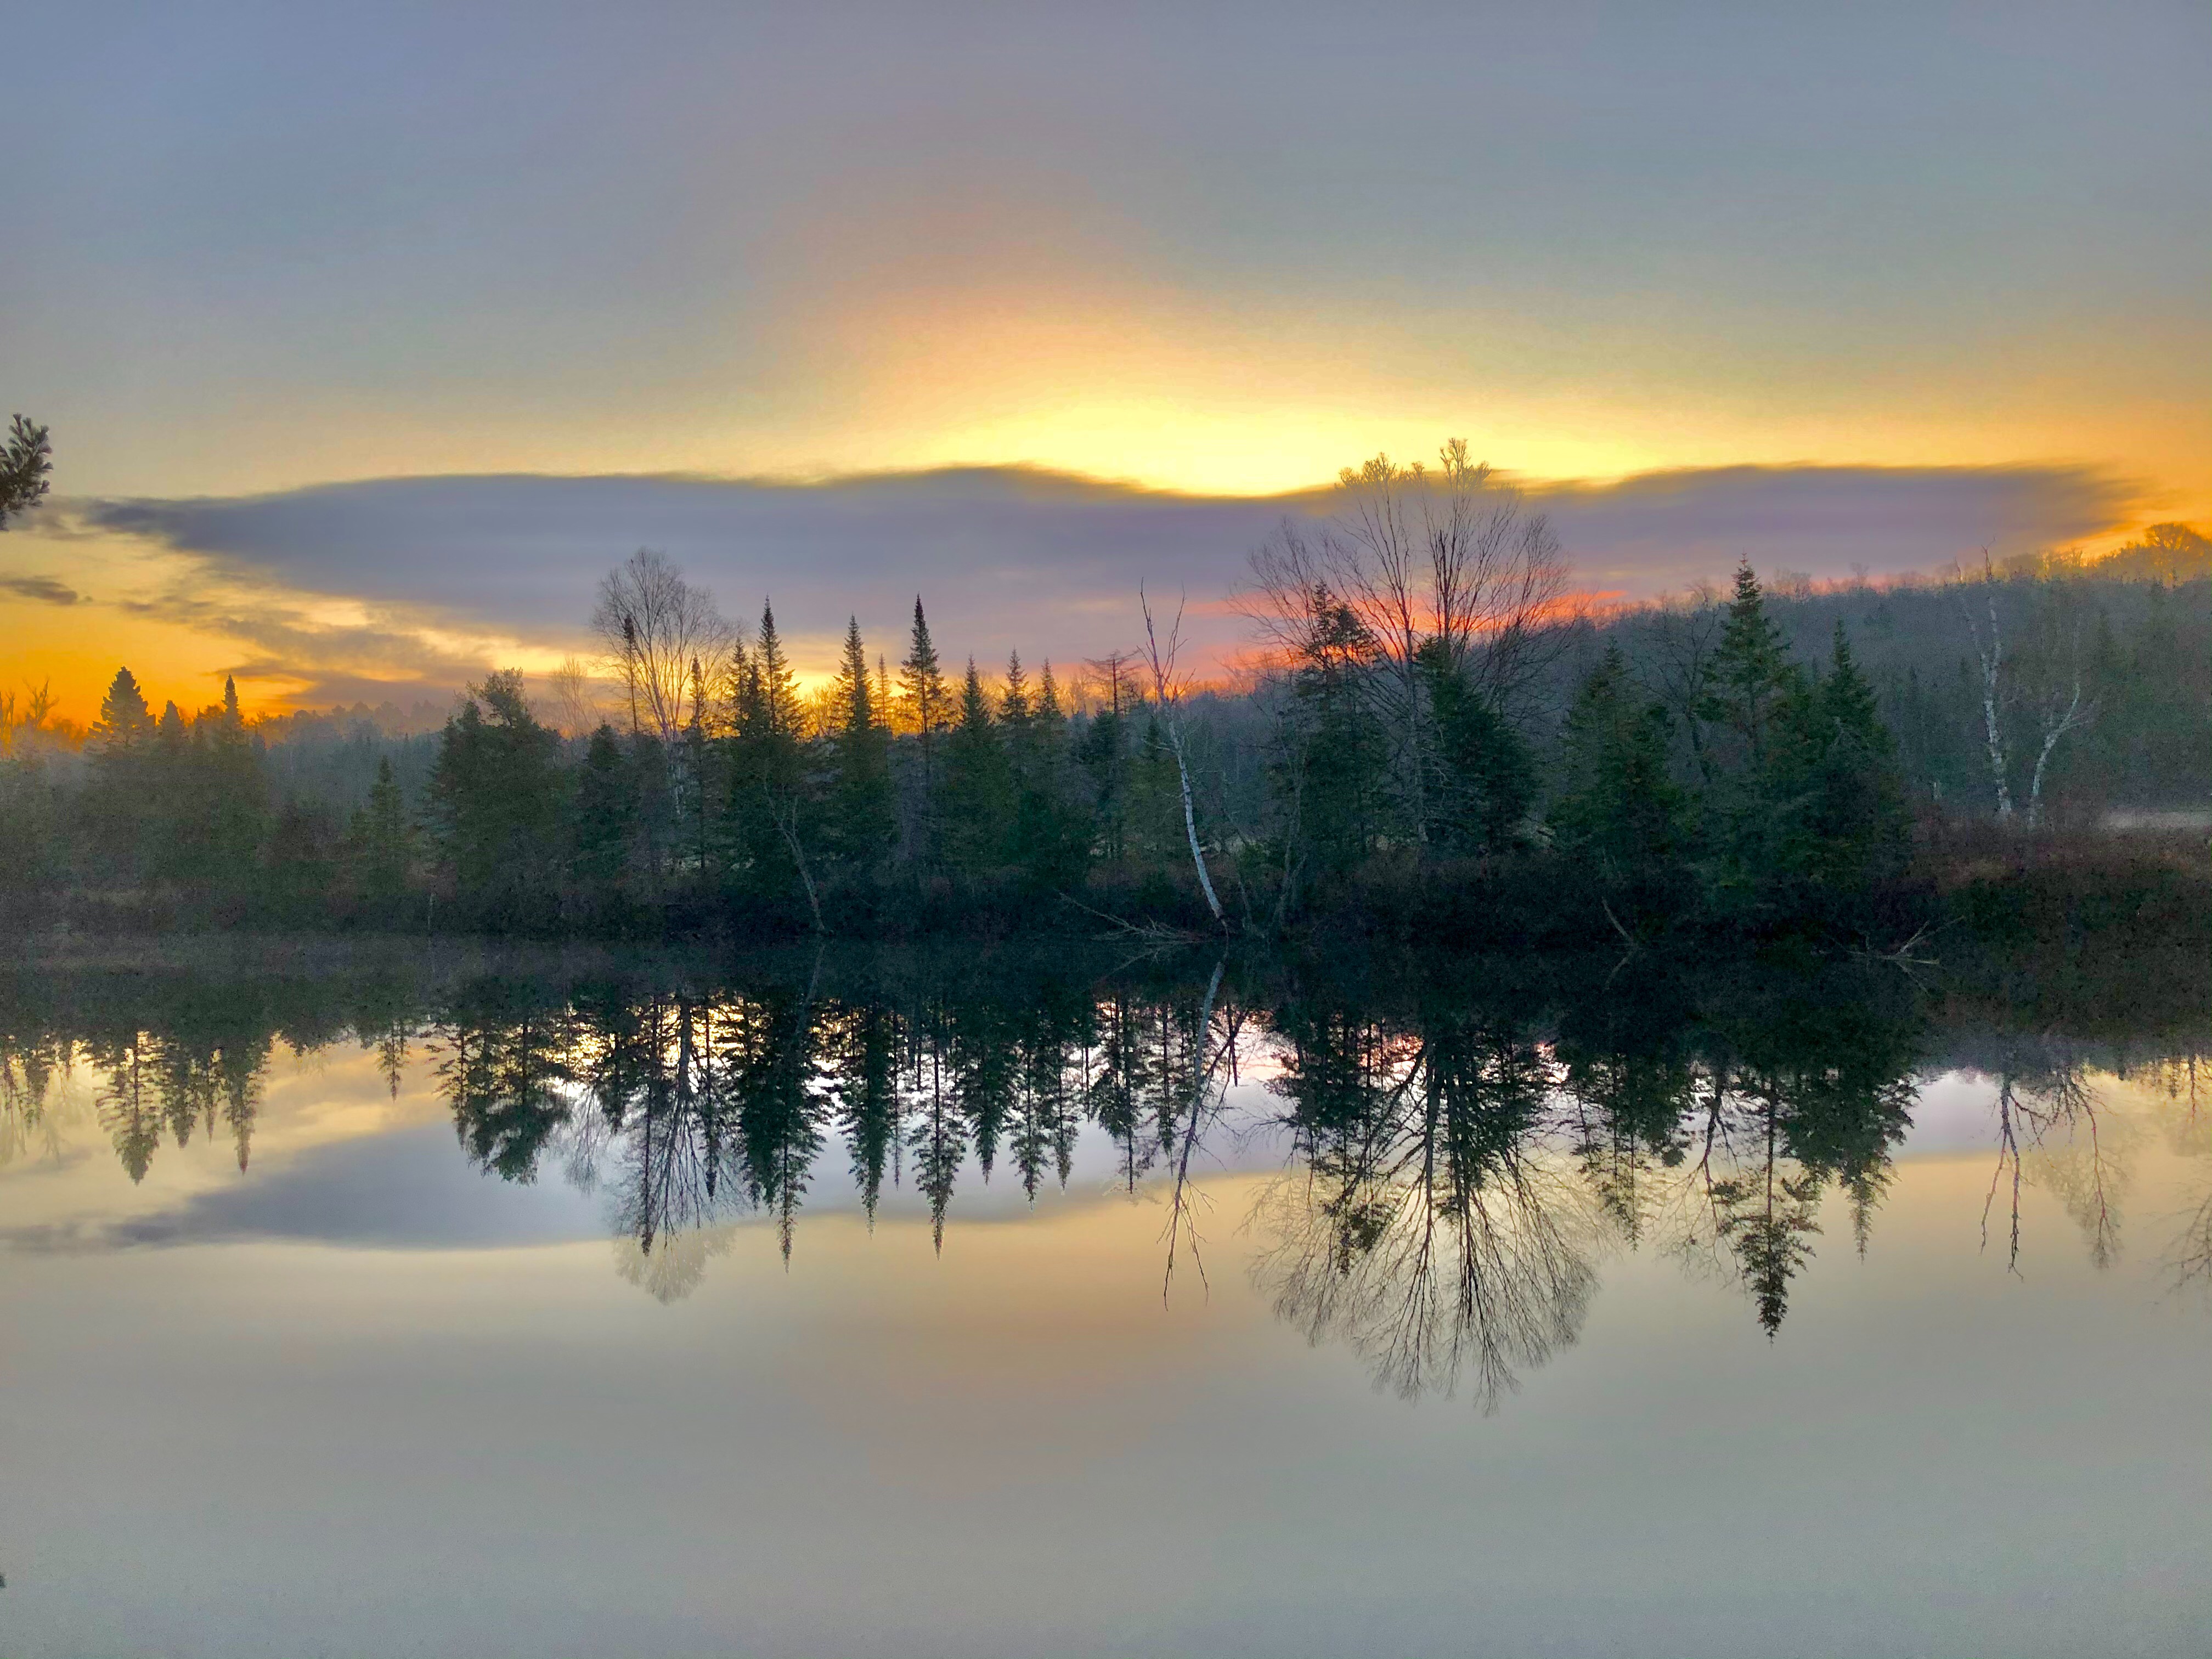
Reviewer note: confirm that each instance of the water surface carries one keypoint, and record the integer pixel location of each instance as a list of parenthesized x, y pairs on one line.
[(989, 1302)]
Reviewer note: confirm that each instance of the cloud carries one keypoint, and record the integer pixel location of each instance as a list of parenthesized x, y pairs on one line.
[(43, 589), (1005, 557), (408, 1189)]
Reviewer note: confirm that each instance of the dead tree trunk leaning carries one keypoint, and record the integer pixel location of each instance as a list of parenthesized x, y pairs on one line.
[(1167, 692)]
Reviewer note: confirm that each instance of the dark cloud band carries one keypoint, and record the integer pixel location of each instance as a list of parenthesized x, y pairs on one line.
[(1050, 563)]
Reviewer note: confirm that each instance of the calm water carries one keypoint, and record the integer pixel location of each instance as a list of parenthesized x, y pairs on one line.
[(977, 1304)]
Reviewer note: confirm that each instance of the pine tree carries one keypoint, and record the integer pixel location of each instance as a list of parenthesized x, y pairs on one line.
[(1050, 842), (1328, 774), (1103, 753), (779, 687), (496, 794), (1014, 700), (773, 824), (125, 720), (238, 787), (1752, 675), (606, 804), (862, 810), (120, 804), (977, 797), (1482, 779), (1854, 827), (924, 701), (1758, 701), (1620, 813)]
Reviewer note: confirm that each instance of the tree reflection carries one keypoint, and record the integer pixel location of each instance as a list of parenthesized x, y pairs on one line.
[(1428, 1230), (2048, 1119), (1463, 1144)]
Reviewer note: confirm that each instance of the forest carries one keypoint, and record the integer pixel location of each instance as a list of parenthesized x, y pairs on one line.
[(1431, 738)]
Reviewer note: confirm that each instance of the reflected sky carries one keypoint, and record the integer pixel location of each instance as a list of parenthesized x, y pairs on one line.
[(373, 1394)]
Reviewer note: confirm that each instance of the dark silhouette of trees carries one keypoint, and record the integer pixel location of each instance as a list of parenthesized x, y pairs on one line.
[(496, 797), (26, 464), (1437, 747), (861, 821)]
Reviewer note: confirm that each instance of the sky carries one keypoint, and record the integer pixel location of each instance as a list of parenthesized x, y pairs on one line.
[(370, 336)]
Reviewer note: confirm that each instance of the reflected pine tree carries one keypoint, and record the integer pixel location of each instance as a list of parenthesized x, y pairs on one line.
[(1463, 1144)]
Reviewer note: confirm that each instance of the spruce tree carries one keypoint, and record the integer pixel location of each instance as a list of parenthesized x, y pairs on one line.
[(238, 789), (1330, 774), (120, 798), (773, 825), (925, 702), (1050, 842), (1758, 700), (1752, 676), (1482, 779), (1854, 828), (125, 720), (862, 811), (1014, 703), (389, 843), (495, 795), (1620, 814), (606, 804), (977, 796)]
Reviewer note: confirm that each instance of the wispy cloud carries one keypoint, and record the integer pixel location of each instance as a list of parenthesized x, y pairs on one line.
[(44, 589)]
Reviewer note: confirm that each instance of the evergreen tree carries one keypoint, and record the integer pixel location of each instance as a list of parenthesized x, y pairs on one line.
[(118, 801), (705, 790), (1757, 701), (925, 702), (1751, 678), (1330, 777), (1482, 781), (125, 720), (1620, 815), (495, 795), (606, 806), (1103, 752), (237, 789), (774, 827), (382, 845), (1853, 832), (1050, 841), (1014, 700), (977, 795), (862, 821)]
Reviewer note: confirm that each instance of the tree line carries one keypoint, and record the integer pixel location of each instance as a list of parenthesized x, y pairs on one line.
[(1440, 735)]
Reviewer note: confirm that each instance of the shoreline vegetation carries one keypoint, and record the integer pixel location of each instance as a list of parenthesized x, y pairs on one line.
[(1433, 744)]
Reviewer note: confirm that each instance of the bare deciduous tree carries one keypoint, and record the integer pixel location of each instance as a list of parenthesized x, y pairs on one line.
[(1168, 690), (575, 699), (1450, 558), (653, 625), (1989, 652), (2052, 668)]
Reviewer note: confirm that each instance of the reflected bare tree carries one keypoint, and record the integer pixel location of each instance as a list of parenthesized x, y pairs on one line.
[(1430, 1229), (2045, 1105)]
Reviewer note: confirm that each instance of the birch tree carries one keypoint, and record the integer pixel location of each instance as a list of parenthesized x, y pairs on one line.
[(1168, 692)]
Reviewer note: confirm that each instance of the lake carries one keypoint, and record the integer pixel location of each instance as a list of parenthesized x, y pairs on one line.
[(459, 1301)]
